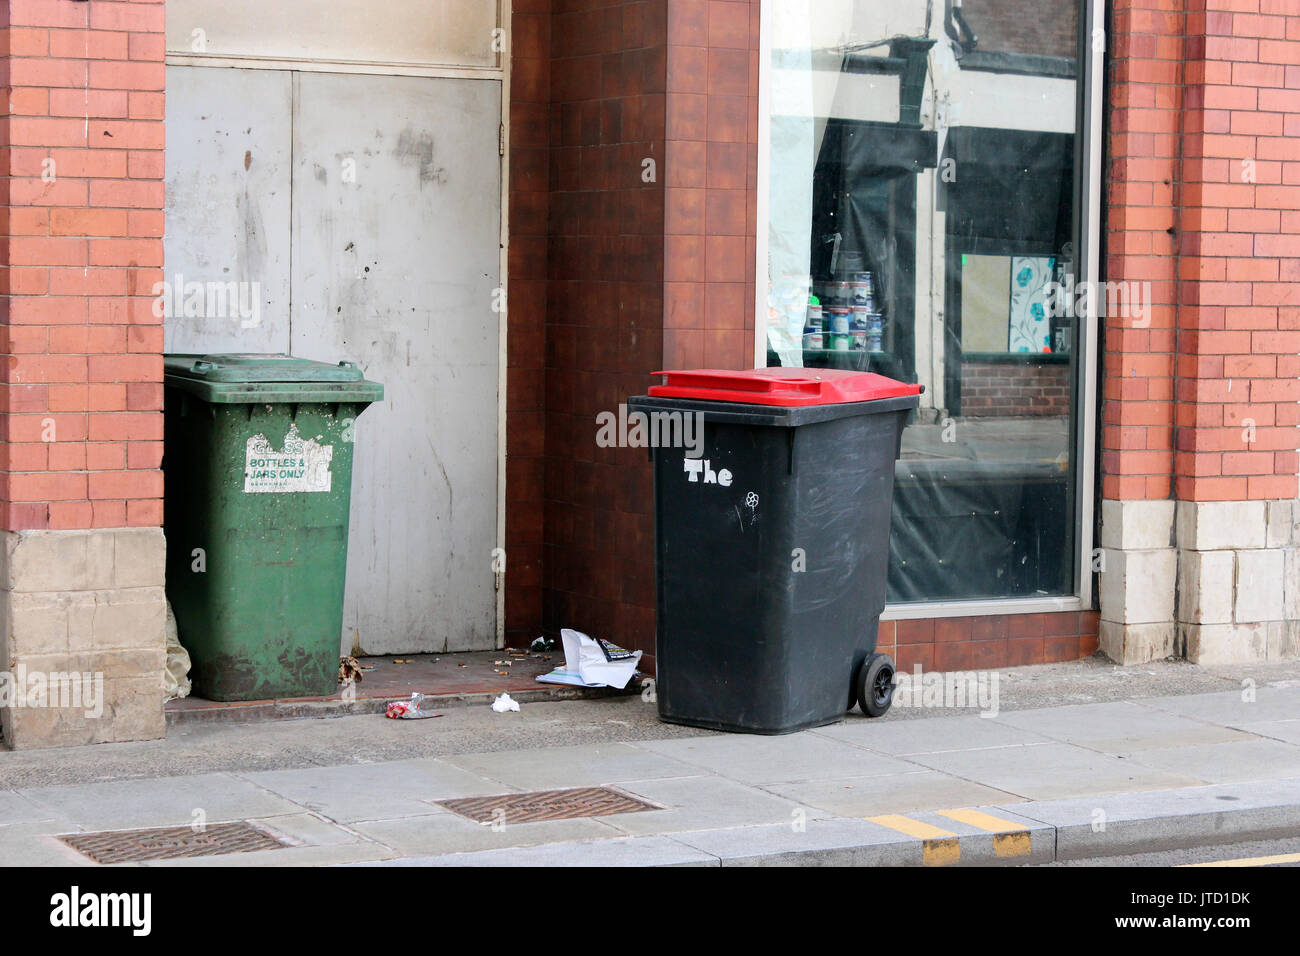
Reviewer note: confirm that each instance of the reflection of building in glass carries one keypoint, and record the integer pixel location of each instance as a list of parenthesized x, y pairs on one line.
[(940, 155)]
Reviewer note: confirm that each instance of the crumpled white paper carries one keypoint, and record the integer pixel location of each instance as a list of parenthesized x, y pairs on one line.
[(505, 703), (583, 656)]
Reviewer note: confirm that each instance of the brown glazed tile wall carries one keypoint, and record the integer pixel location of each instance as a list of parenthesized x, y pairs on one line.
[(530, 96), (604, 325), (980, 643)]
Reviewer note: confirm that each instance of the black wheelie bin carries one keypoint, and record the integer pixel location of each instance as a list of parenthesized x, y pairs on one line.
[(772, 499)]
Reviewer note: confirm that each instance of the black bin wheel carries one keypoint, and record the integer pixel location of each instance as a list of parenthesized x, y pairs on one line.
[(876, 685)]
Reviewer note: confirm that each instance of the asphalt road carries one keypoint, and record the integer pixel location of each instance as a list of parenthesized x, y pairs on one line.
[(1264, 853)]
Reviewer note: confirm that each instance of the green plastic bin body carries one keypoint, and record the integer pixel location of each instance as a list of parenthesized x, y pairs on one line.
[(258, 472)]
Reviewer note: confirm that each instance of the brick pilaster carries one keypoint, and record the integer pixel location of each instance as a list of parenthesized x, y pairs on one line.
[(82, 416), (1144, 96), (81, 580), (1239, 238)]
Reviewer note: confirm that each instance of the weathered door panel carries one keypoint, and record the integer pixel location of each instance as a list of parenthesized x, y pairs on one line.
[(395, 260), (228, 196)]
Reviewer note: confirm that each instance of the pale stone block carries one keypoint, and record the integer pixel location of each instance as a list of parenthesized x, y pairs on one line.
[(1137, 587), (111, 665), (1284, 641), (8, 540), (30, 728), (1137, 643), (99, 558), (60, 614), (133, 710), (1221, 525), (135, 662), (1259, 585), (59, 560), (107, 711), (38, 623), (1291, 583), (1209, 644), (1137, 525), (132, 617), (1205, 587), (139, 558), (1281, 524)]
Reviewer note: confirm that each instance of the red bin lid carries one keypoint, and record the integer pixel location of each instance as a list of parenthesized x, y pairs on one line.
[(787, 387)]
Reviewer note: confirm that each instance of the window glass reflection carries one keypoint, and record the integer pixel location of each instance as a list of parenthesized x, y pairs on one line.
[(922, 223)]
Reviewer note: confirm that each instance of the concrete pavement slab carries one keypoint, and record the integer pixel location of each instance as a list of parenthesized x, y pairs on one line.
[(36, 844), (1131, 746), (1234, 708), (1121, 728), (704, 803), (580, 766), (892, 793), (307, 829), (441, 833), (818, 843), (376, 791), (1113, 720), (289, 856), (621, 851), (758, 759), (1049, 771), (1284, 730), (1251, 759), (15, 808), (125, 804), (932, 735)]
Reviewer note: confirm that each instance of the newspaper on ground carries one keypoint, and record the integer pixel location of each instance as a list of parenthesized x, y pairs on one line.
[(592, 662)]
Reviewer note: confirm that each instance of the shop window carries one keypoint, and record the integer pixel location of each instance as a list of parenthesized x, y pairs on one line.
[(922, 207)]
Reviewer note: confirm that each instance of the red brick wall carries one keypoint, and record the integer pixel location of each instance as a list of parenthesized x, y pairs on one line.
[(1239, 232), (1002, 389), (1145, 96), (1204, 191), (82, 249)]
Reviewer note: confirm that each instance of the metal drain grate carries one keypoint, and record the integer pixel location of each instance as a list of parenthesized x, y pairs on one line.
[(171, 843), (543, 805)]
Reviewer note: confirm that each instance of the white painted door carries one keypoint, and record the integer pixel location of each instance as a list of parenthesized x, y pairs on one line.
[(396, 232), (367, 208), (228, 199)]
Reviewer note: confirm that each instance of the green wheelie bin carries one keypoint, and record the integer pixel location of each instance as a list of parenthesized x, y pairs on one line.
[(258, 472)]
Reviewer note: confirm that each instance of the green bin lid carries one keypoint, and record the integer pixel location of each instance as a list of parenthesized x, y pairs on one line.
[(274, 377)]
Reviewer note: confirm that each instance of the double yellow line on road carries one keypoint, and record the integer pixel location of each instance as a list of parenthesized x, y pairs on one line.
[(1249, 861), (940, 847)]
